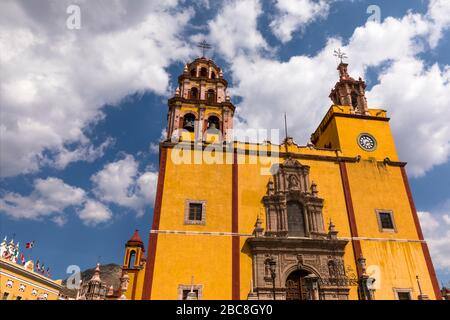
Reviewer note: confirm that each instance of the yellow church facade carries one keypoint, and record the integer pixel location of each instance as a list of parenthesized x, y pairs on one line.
[(334, 219)]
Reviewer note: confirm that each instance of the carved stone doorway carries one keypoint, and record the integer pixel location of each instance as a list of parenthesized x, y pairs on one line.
[(296, 287)]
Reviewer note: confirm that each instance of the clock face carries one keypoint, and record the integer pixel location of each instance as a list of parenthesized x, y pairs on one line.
[(367, 142)]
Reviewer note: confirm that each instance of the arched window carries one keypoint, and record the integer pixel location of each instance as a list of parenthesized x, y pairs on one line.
[(194, 72), (132, 259), (189, 122), (354, 100), (213, 75), (203, 72), (194, 93), (296, 219), (213, 123), (211, 95)]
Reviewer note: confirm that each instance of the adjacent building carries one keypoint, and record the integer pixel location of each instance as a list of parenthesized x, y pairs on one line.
[(23, 282)]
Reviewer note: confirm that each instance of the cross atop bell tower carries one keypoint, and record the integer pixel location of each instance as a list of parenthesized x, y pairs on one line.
[(204, 46)]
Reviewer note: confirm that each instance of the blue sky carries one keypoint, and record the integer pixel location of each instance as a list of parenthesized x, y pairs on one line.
[(83, 109)]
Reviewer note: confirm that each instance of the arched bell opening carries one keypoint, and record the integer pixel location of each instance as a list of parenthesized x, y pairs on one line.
[(211, 95), (132, 259), (354, 100), (189, 122), (213, 124), (194, 93)]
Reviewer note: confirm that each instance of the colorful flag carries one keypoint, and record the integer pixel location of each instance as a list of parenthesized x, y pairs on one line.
[(29, 245), (37, 266), (42, 268), (22, 258), (48, 272), (7, 255)]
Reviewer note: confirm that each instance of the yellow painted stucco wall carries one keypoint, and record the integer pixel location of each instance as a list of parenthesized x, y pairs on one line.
[(207, 258)]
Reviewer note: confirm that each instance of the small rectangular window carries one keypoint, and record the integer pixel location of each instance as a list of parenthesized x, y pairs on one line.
[(405, 295), (184, 291), (195, 212), (386, 221)]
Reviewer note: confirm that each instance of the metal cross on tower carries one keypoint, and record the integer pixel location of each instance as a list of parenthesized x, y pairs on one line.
[(204, 46), (340, 54)]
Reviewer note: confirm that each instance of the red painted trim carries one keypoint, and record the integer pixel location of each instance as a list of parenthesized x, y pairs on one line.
[(425, 250), (235, 241), (150, 265), (350, 213), (133, 294)]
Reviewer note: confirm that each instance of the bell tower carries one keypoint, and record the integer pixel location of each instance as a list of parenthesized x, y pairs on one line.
[(201, 105), (134, 252)]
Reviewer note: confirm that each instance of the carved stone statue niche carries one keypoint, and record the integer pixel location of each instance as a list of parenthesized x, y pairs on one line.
[(293, 207)]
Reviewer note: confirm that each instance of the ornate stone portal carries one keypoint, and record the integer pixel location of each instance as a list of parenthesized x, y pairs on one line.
[(295, 258)]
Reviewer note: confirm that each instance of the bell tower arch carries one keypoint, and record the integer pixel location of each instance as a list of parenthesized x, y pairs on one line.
[(202, 92)]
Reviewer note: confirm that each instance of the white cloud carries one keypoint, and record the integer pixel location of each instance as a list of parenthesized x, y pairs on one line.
[(94, 213), (49, 198), (437, 235), (85, 152), (293, 15), (417, 98), (55, 80), (234, 29), (121, 183), (439, 13), (446, 218)]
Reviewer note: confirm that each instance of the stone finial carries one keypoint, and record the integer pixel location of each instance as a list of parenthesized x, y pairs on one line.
[(270, 187), (220, 73), (185, 70), (96, 275), (332, 233), (259, 230), (177, 92), (362, 264)]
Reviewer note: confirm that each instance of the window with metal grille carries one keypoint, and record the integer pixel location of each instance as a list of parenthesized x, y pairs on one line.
[(195, 211)]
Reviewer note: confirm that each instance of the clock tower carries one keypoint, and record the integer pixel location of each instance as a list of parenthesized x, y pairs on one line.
[(351, 127)]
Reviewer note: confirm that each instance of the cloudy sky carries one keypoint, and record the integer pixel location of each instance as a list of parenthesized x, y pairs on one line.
[(82, 109)]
